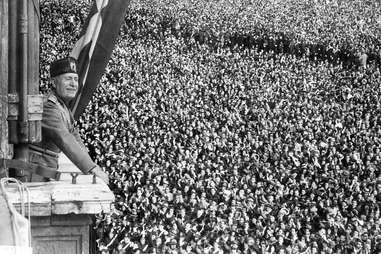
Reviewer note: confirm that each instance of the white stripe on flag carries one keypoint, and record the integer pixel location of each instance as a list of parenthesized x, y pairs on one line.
[(91, 35), (98, 26), (92, 30)]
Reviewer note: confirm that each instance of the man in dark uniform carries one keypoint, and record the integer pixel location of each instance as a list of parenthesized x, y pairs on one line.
[(58, 131)]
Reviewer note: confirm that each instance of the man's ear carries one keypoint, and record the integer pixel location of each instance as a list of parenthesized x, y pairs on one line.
[(53, 82)]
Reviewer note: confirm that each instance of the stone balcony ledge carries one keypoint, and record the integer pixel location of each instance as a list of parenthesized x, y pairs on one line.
[(62, 197)]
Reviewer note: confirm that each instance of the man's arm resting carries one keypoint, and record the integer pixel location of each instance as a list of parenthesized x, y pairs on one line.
[(99, 173), (54, 128)]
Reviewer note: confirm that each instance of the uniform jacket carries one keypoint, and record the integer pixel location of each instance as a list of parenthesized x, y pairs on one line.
[(59, 134)]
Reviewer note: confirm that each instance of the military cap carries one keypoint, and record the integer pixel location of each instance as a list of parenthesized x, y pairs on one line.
[(64, 65)]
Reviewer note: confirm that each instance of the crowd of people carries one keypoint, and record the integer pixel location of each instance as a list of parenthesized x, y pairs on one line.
[(214, 148), (331, 29)]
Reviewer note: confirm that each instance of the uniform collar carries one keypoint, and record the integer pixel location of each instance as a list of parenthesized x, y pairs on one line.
[(56, 99), (52, 97)]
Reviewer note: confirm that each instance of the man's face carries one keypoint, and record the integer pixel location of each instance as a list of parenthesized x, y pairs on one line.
[(66, 85)]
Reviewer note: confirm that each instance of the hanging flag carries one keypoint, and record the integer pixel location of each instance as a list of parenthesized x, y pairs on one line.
[(94, 47)]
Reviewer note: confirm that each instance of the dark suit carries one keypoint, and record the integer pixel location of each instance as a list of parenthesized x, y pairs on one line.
[(59, 134)]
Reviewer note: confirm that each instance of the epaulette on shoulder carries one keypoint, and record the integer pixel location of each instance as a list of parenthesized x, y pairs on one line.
[(51, 98)]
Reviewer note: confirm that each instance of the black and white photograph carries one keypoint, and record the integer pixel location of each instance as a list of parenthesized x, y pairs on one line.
[(190, 127)]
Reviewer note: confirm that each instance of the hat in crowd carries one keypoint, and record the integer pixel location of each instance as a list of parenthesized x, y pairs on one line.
[(63, 65), (172, 242)]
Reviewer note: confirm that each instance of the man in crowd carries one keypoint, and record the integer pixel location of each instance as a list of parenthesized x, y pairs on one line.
[(58, 131)]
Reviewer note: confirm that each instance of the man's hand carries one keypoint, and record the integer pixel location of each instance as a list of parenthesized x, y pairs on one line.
[(100, 173)]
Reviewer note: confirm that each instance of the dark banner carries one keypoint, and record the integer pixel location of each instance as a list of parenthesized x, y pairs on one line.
[(94, 48)]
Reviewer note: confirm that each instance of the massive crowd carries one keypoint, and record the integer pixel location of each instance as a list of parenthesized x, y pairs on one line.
[(323, 29), (220, 148)]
